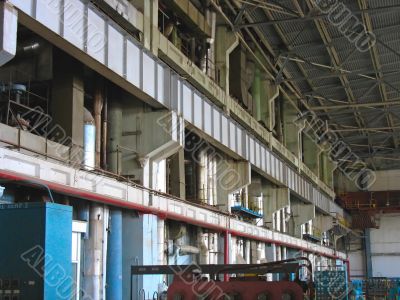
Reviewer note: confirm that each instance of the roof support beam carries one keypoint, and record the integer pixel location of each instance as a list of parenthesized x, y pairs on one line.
[(356, 105), (316, 17), (373, 50)]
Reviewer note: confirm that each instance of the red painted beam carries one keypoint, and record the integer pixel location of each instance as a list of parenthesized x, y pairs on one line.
[(66, 190)]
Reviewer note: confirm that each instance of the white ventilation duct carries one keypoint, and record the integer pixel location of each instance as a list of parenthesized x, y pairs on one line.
[(8, 36), (202, 238), (188, 250)]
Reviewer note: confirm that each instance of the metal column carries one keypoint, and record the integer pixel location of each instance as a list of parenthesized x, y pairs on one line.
[(114, 256)]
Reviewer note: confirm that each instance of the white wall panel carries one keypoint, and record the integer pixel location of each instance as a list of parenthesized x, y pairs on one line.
[(96, 40), (115, 50), (208, 118), (198, 111), (162, 75), (133, 63), (187, 103), (239, 139), (49, 13), (251, 150), (25, 5), (232, 136), (216, 124), (148, 79), (74, 23), (225, 131)]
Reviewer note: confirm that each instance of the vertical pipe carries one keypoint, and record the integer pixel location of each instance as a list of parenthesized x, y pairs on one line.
[(104, 134), (97, 108), (368, 257), (247, 246), (202, 176), (114, 137), (89, 143), (93, 267), (215, 180), (162, 256), (106, 218), (114, 256), (226, 252), (83, 215), (347, 262)]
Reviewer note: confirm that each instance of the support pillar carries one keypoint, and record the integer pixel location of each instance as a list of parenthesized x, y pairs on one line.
[(145, 252), (311, 155), (268, 106), (368, 255), (291, 130), (177, 176), (67, 105), (114, 256), (97, 108), (114, 137), (150, 29), (256, 93), (327, 168), (227, 251)]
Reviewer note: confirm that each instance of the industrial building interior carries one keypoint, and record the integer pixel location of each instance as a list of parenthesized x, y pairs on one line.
[(253, 141)]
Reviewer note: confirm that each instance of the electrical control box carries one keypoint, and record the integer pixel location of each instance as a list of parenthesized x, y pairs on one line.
[(35, 255)]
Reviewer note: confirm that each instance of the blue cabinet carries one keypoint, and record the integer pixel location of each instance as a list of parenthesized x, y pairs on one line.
[(35, 251)]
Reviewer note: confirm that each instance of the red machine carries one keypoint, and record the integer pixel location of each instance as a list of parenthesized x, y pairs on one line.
[(185, 288), (246, 281)]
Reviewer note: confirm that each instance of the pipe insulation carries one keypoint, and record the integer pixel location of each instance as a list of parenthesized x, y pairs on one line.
[(93, 262), (8, 34)]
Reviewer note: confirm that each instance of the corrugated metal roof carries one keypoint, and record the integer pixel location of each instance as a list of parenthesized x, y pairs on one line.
[(303, 40)]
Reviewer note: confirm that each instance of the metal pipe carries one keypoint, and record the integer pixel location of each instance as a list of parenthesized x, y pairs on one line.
[(226, 252), (97, 108), (114, 256), (104, 134), (93, 265)]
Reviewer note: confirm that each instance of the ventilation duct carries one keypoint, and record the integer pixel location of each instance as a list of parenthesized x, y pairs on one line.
[(176, 231), (8, 36), (241, 74), (188, 250)]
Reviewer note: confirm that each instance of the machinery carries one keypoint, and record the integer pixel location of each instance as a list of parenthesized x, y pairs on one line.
[(376, 288), (245, 281), (35, 251)]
